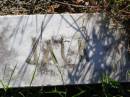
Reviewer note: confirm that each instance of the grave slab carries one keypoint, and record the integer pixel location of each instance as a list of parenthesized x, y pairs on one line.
[(60, 49)]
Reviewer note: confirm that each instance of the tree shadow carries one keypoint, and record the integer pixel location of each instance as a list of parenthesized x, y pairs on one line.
[(102, 54)]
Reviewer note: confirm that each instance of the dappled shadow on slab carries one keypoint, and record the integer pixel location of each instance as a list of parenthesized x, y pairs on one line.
[(103, 54)]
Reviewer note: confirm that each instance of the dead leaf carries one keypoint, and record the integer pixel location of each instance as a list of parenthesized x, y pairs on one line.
[(78, 2), (50, 9)]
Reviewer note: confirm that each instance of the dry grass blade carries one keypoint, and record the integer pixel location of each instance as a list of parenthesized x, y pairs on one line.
[(28, 60), (12, 74), (62, 51), (4, 71), (52, 53), (54, 59), (33, 76)]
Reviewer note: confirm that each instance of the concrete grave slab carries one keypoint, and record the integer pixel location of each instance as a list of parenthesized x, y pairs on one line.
[(59, 49)]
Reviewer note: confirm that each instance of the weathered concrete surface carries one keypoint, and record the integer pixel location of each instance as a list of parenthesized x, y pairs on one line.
[(56, 49)]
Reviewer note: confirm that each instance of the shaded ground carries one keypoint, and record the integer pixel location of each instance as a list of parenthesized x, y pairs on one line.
[(91, 90)]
